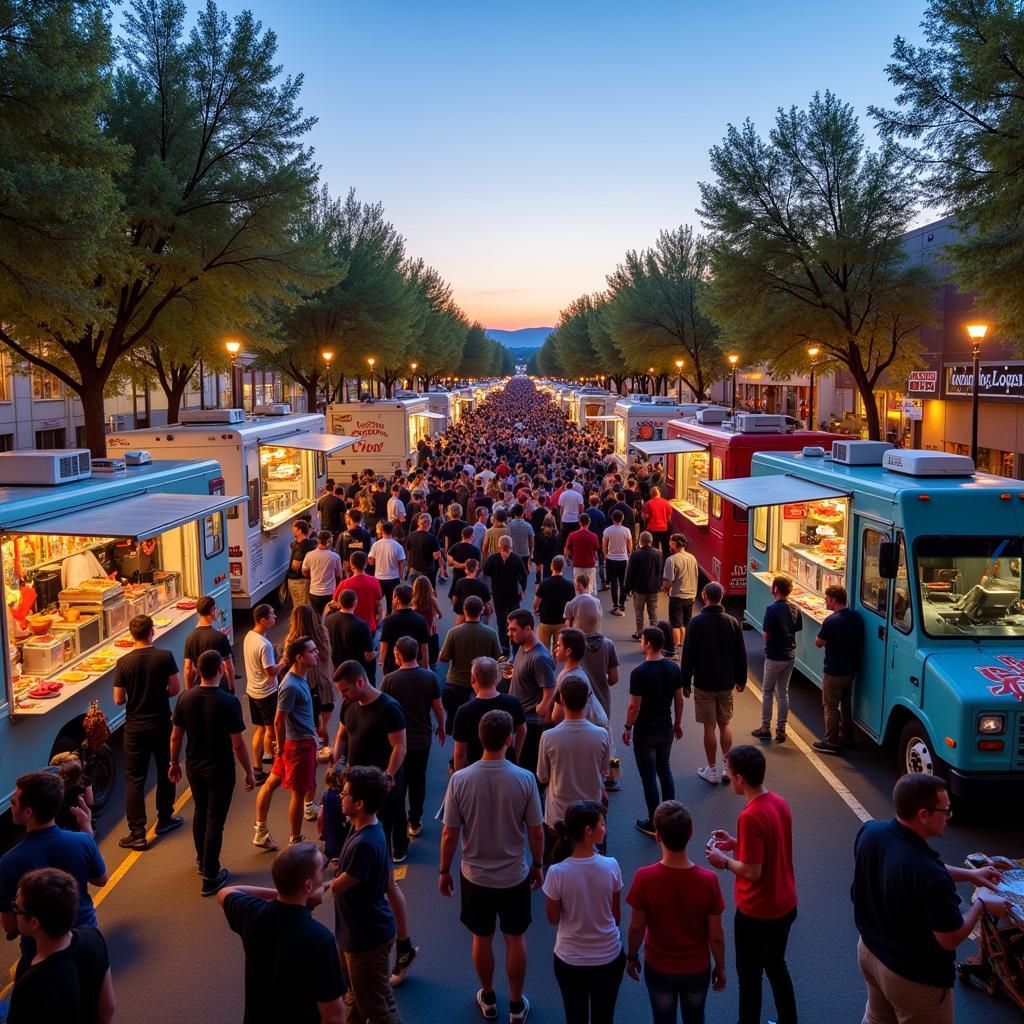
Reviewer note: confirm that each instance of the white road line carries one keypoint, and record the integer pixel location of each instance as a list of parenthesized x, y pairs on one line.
[(820, 767)]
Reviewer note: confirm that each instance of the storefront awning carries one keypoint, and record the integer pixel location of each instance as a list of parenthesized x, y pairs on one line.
[(602, 419), (778, 489), (673, 446), (326, 443), (431, 415), (139, 518)]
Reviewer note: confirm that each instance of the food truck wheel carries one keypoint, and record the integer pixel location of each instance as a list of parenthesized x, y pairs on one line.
[(100, 768), (916, 754)]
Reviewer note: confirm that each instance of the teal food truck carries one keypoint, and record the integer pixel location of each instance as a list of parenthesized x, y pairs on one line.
[(929, 552), (85, 545)]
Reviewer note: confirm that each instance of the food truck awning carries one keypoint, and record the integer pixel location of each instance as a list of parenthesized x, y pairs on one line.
[(326, 443), (431, 415), (778, 489), (602, 419), (140, 518), (674, 446)]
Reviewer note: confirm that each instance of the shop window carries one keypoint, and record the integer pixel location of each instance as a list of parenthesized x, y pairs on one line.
[(45, 387), (80, 437), (6, 388), (760, 532), (873, 588), (6, 442), (213, 534), (902, 610), (716, 474), (48, 440)]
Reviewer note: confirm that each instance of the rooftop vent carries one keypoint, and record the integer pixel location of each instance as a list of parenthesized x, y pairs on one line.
[(917, 462), (859, 453), (222, 416)]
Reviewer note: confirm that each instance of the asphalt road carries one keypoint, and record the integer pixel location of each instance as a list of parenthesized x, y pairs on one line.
[(174, 958)]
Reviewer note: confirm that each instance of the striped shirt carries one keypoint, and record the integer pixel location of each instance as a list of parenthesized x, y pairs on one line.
[(521, 532)]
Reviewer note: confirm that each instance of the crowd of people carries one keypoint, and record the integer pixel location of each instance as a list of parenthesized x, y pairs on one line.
[(518, 698)]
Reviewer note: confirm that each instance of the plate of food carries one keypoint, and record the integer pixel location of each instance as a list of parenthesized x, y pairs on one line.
[(161, 622), (74, 677), (187, 605), (124, 643), (45, 691)]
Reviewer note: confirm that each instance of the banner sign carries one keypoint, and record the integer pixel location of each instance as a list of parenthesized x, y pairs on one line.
[(995, 380), (923, 382)]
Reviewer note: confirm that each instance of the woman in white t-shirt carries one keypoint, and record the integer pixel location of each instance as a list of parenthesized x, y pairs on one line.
[(583, 893)]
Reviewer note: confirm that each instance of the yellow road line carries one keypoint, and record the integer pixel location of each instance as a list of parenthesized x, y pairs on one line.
[(129, 862), (400, 872), (841, 789)]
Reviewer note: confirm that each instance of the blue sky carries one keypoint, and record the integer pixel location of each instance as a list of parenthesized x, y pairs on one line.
[(522, 148)]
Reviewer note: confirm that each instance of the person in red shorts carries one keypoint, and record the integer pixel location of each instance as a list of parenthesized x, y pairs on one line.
[(658, 520), (582, 546), (369, 595), (677, 917), (765, 886), (295, 744)]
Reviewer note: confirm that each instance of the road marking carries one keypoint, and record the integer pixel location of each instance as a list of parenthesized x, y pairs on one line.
[(129, 862), (821, 768), (400, 872)]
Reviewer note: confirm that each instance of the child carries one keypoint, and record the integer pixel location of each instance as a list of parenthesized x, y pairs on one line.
[(76, 784), (333, 824), (583, 893)]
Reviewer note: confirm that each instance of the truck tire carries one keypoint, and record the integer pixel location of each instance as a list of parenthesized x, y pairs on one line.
[(102, 768), (916, 752)]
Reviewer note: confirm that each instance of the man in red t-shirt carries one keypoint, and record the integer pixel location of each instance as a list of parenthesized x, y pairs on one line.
[(658, 520), (765, 885), (677, 915), (582, 546), (369, 595)]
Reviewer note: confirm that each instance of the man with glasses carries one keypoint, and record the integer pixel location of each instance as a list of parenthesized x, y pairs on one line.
[(907, 909)]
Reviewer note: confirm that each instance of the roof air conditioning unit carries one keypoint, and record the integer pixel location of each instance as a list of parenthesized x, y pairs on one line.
[(711, 416), (919, 462), (859, 453), (222, 416), (276, 409), (46, 469), (759, 423)]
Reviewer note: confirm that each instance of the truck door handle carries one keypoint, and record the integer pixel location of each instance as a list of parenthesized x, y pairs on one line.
[(881, 632), (914, 681)]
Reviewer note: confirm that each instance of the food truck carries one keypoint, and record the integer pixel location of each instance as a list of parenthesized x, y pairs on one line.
[(278, 461), (587, 404), (930, 554), (644, 418), (445, 404), (83, 552), (388, 430), (710, 447)]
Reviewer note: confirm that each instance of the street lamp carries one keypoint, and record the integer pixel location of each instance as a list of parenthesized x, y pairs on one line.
[(413, 378), (371, 361), (679, 382), (733, 360), (234, 347), (976, 332), (650, 373), (327, 355), (813, 353)]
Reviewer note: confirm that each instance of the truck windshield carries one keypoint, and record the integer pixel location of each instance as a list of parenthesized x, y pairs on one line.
[(970, 586)]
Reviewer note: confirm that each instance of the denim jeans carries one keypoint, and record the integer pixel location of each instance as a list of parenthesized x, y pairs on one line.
[(776, 684), (667, 991), (761, 950), (652, 762)]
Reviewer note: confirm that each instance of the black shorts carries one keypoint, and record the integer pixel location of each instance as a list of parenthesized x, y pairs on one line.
[(483, 906), (263, 709), (679, 611), (319, 707)]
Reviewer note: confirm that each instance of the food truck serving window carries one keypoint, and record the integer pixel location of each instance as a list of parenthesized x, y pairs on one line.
[(287, 483), (969, 586)]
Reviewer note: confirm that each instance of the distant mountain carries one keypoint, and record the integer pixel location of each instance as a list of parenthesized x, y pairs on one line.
[(527, 337)]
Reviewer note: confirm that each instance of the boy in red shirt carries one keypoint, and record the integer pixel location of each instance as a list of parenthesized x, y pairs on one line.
[(581, 546), (677, 915), (369, 595), (658, 519), (765, 885)]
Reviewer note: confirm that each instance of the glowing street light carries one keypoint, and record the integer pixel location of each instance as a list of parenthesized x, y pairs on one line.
[(371, 361), (813, 352), (733, 360), (976, 332), (679, 382), (233, 348)]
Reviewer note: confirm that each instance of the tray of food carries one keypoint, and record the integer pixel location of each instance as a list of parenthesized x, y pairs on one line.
[(186, 605), (45, 691), (73, 677), (124, 642)]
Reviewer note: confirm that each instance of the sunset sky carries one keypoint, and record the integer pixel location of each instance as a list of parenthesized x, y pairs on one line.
[(523, 148)]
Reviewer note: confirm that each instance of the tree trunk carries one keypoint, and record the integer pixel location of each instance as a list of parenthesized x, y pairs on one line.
[(174, 396), (866, 388), (95, 426), (311, 396)]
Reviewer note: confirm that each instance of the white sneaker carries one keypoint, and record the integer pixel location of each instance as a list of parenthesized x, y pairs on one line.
[(263, 839), (709, 773), (311, 810)]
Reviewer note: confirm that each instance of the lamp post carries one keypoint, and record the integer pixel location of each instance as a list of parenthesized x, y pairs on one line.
[(412, 379), (234, 347), (650, 373), (679, 382), (733, 360), (371, 361), (327, 355), (813, 353), (976, 332)]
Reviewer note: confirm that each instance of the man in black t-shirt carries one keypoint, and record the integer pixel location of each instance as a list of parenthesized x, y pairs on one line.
[(144, 681), (350, 636), (450, 534), (403, 621), (470, 586), (466, 730), (72, 983), (842, 636), (298, 585), (354, 538), (423, 550), (550, 600), (332, 510), (292, 970), (212, 719), (460, 553), (206, 637)]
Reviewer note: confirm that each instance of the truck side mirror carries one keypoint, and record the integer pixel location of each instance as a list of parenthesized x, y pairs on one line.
[(888, 559)]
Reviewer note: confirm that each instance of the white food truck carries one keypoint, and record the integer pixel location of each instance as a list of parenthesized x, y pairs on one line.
[(644, 418), (446, 404), (83, 552), (590, 407), (277, 460), (387, 429)]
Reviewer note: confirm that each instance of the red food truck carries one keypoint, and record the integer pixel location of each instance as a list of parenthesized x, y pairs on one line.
[(710, 446)]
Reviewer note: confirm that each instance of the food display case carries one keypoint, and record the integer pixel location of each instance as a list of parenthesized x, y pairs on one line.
[(808, 544), (287, 483), (87, 630)]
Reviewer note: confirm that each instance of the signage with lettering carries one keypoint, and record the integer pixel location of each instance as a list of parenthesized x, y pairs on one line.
[(913, 408), (995, 380), (794, 511), (923, 382)]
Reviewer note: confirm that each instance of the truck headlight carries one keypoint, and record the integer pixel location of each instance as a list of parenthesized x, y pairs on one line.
[(991, 725)]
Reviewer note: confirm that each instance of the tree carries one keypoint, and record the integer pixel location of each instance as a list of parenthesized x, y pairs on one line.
[(438, 343), (215, 180), (548, 362), (807, 247), (961, 100), (655, 312), (576, 354), (610, 363)]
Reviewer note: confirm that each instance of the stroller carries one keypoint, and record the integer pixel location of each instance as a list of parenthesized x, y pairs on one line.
[(999, 963)]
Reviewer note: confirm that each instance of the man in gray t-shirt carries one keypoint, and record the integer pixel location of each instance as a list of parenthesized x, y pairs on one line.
[(493, 807), (533, 682)]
